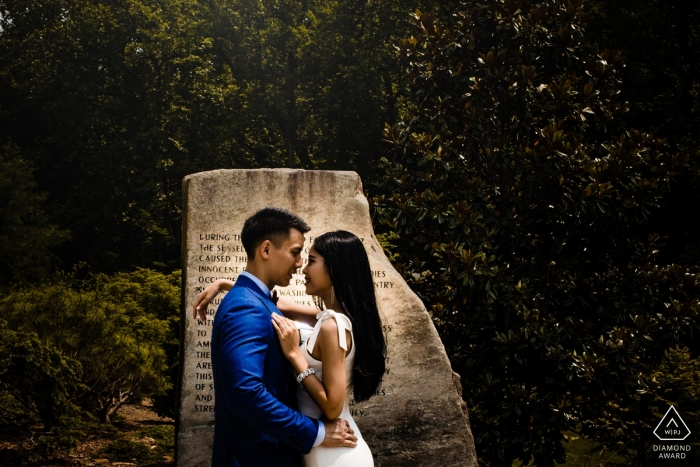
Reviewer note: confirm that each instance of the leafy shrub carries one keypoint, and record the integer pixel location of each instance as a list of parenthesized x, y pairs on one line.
[(675, 382), (33, 446), (124, 450), (38, 377), (164, 436), (114, 330), (64, 437), (128, 450), (13, 413)]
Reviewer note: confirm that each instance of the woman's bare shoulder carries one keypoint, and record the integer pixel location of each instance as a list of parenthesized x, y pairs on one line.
[(329, 334)]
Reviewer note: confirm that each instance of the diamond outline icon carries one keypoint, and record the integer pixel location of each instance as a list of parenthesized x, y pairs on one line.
[(672, 420)]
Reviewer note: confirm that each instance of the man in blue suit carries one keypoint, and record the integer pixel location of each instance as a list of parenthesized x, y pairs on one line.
[(255, 421)]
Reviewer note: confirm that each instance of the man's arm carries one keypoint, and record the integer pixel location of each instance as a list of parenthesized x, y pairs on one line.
[(241, 343)]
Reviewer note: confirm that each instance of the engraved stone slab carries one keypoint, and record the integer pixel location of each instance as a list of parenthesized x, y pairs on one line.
[(417, 418)]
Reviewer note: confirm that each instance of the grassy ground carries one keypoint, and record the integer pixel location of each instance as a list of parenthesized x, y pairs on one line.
[(584, 453), (137, 437), (587, 453)]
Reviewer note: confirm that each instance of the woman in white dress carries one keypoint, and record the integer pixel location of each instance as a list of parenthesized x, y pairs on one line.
[(344, 357), (346, 349)]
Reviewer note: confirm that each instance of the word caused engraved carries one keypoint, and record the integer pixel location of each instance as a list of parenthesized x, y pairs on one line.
[(417, 416)]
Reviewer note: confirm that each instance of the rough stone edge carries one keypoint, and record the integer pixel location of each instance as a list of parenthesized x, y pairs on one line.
[(183, 313)]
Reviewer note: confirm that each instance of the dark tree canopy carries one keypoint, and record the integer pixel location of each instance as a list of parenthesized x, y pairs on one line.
[(115, 101), (26, 235), (525, 202), (662, 84)]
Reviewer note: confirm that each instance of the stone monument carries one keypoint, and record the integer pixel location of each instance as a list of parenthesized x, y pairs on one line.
[(417, 418)]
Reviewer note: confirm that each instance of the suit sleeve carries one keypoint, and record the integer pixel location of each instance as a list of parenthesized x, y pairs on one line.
[(243, 338)]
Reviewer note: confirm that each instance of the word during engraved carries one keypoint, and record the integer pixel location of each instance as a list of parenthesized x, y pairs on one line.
[(219, 237)]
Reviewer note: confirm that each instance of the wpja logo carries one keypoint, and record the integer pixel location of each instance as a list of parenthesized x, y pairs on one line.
[(672, 428)]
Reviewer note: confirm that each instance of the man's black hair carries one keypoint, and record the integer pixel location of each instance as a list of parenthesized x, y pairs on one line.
[(272, 224)]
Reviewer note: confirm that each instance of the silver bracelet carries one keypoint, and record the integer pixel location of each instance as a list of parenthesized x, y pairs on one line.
[(304, 374)]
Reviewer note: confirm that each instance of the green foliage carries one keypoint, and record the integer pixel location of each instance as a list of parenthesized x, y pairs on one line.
[(527, 209), (40, 386), (143, 449), (116, 101), (26, 235), (581, 451), (385, 241), (675, 382), (164, 435), (13, 413), (662, 79), (662, 42), (125, 450), (159, 294), (522, 205), (111, 87), (315, 76), (678, 377), (63, 438), (38, 377), (116, 328)]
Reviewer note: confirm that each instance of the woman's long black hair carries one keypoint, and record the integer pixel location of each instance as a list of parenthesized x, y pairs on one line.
[(348, 267)]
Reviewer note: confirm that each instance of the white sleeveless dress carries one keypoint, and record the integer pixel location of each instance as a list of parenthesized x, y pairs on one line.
[(321, 456)]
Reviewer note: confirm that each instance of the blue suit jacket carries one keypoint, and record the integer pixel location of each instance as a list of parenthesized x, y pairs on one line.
[(254, 386)]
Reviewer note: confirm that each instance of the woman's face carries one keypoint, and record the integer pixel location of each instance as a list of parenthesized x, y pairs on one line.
[(317, 278)]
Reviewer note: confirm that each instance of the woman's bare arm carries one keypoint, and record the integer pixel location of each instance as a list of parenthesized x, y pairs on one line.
[(297, 312), (303, 313), (329, 394), (207, 295)]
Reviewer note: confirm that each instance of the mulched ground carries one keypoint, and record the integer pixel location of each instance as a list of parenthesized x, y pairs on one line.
[(130, 420)]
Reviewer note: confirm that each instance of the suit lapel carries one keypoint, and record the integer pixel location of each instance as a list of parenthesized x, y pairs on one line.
[(289, 387), (268, 304), (243, 281)]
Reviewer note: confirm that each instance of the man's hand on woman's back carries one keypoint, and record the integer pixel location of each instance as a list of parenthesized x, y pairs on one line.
[(338, 434)]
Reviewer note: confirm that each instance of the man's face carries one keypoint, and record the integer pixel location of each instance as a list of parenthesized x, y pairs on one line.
[(284, 261)]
